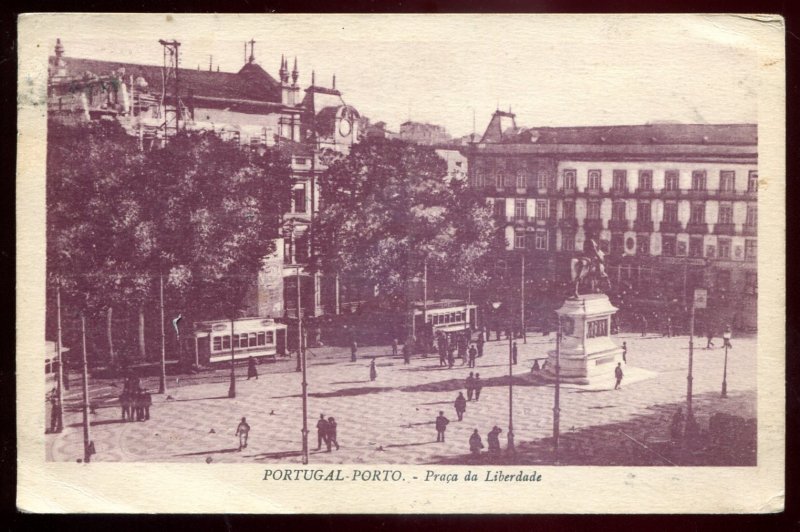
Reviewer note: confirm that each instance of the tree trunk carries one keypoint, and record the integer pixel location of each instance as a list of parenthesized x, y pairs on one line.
[(142, 346), (109, 328)]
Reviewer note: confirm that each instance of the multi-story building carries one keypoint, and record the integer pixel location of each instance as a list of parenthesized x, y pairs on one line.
[(674, 206), (249, 106), (422, 133)]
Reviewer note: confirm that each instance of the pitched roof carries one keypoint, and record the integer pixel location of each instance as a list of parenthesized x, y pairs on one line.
[(251, 83)]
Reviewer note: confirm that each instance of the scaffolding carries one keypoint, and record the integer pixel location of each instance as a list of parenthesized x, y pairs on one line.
[(171, 109)]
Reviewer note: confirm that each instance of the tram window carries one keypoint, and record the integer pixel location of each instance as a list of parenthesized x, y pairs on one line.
[(226, 342), (269, 337), (253, 340), (217, 343), (261, 338)]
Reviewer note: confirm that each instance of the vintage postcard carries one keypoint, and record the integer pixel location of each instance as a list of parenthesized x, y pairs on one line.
[(401, 264)]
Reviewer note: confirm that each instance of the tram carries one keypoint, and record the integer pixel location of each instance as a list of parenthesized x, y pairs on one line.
[(260, 338), (448, 316)]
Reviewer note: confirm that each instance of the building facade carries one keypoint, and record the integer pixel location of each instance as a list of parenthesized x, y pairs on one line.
[(674, 207), (249, 106)]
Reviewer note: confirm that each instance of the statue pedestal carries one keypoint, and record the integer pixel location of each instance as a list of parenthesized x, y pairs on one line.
[(587, 354)]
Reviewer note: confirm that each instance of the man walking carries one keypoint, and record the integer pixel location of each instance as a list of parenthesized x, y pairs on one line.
[(473, 353), (475, 443), (353, 351), (441, 426), (322, 431), (480, 342), (478, 385), (644, 325), (709, 337), (251, 368), (625, 352), (460, 406), (331, 439), (618, 375), (55, 413), (470, 386), (494, 440), (406, 353), (242, 430), (394, 347), (373, 372)]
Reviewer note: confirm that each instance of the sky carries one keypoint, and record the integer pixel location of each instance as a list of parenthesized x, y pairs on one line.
[(551, 70)]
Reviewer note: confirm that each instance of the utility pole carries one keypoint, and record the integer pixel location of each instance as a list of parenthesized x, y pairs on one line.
[(300, 349), (232, 385), (557, 398), (60, 382), (162, 381), (305, 409), (88, 445), (522, 299), (511, 448)]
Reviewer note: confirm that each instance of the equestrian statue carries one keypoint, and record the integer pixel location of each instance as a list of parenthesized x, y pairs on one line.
[(590, 266)]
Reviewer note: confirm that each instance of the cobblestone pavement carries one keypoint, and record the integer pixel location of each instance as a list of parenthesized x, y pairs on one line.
[(391, 420)]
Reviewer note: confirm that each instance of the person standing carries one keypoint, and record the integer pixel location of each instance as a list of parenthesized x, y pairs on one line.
[(406, 353), (709, 337), (394, 347), (462, 349), (373, 372), (331, 440), (473, 353), (125, 404), (726, 337), (618, 375), (353, 351), (55, 413), (625, 352), (147, 401), (480, 343), (460, 406), (494, 440), (644, 325), (514, 353), (251, 368), (242, 430), (441, 426), (451, 357), (478, 385), (669, 327), (475, 443), (470, 386), (322, 431)]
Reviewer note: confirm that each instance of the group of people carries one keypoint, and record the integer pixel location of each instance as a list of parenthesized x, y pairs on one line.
[(475, 441), (460, 345), (326, 433), (135, 401)]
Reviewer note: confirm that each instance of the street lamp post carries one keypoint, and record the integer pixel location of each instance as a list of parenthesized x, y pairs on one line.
[(300, 349), (522, 299), (88, 445), (557, 397), (62, 378), (726, 336), (511, 448), (162, 380), (232, 385)]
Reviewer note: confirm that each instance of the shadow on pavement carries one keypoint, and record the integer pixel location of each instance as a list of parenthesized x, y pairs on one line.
[(458, 384), (218, 451), (411, 444), (103, 422), (202, 399), (276, 454), (348, 392)]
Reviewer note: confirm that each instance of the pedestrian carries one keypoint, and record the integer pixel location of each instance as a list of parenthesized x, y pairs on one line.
[(406, 353), (709, 337), (55, 413), (514, 353), (322, 431), (441, 426), (545, 365), (138, 405), (473, 353), (242, 430), (625, 352), (475, 443), (535, 368), (676, 428), (669, 327), (470, 386), (332, 435), (125, 404), (462, 350), (618, 375), (147, 401), (478, 385), (480, 343), (451, 359), (726, 337), (251, 368), (373, 373), (353, 351), (394, 347), (644, 325), (494, 440), (460, 406)]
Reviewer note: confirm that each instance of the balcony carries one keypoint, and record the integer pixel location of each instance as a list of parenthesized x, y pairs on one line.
[(696, 194), (593, 191), (697, 228), (536, 191), (670, 193), (724, 229), (619, 225), (568, 223), (735, 195), (618, 192), (593, 224), (670, 227), (643, 226), (645, 192), (568, 192), (749, 230)]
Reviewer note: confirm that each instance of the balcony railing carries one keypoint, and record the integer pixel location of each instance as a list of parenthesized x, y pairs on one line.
[(735, 195), (589, 191), (697, 228), (749, 230), (643, 226), (593, 224), (724, 229), (645, 192), (616, 192), (670, 193), (568, 191), (619, 225), (695, 193), (670, 227)]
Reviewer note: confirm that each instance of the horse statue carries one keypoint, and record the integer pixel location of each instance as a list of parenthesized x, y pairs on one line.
[(591, 266)]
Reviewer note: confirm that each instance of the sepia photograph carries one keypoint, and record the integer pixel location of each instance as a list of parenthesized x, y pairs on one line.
[(434, 241)]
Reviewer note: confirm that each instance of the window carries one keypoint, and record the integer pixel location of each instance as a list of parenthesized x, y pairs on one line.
[(699, 180), (671, 180), (253, 340), (568, 241), (727, 180), (509, 179), (542, 179), (643, 211), (698, 213), (725, 213), (553, 210), (668, 245), (498, 180), (500, 208), (302, 161), (519, 240), (568, 210), (593, 210), (752, 216), (618, 210), (696, 246), (217, 343), (541, 240), (645, 180), (478, 179), (261, 339), (541, 209), (643, 244), (570, 179), (520, 210), (752, 181), (750, 249), (521, 179), (617, 243), (724, 248), (594, 180), (299, 198), (226, 342), (671, 212), (620, 179), (710, 252)]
